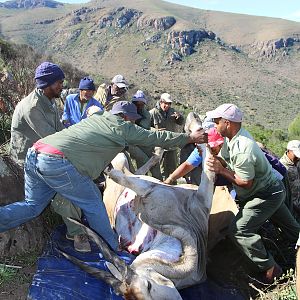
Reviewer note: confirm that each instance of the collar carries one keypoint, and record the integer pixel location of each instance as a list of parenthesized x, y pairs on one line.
[(232, 141)]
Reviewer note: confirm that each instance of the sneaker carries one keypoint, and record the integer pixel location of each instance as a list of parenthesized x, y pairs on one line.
[(269, 275), (81, 242)]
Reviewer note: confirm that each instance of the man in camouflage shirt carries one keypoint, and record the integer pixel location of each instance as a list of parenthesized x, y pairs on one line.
[(109, 94), (290, 160)]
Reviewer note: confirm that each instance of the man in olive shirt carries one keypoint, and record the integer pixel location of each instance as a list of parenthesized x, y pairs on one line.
[(260, 194), (67, 162), (36, 116)]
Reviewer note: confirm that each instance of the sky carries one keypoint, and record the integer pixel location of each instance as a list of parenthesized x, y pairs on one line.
[(285, 9)]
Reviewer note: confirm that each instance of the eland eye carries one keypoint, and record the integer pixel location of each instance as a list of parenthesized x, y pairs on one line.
[(149, 286)]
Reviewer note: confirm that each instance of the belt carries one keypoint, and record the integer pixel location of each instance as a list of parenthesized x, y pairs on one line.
[(50, 154)]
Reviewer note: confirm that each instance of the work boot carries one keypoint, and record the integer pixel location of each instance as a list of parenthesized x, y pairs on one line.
[(270, 274), (81, 242)]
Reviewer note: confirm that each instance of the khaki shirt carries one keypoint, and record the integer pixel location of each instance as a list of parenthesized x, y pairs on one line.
[(35, 117), (91, 144), (294, 179), (102, 95), (161, 119), (246, 159)]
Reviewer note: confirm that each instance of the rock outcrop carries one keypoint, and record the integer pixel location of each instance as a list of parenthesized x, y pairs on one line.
[(28, 236), (119, 18), (30, 4), (158, 23), (271, 48), (184, 41)]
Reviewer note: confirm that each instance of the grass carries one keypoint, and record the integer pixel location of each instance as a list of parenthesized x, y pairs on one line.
[(283, 289), (7, 274), (17, 271)]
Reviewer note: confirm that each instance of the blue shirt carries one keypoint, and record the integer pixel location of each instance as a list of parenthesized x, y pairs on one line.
[(194, 159), (72, 112)]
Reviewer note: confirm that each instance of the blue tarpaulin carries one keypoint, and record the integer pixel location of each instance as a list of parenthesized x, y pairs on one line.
[(57, 278)]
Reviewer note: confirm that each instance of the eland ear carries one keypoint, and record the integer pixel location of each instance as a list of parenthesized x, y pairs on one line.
[(161, 280)]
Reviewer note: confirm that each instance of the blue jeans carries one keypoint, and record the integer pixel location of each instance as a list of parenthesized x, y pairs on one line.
[(44, 176)]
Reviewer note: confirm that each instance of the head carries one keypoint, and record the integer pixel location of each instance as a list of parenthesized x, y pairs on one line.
[(293, 150), (165, 102), (139, 100), (215, 140), (132, 283), (119, 86), (126, 110), (50, 78), (86, 89), (227, 118)]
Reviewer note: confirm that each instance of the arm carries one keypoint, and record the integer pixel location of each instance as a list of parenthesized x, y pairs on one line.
[(182, 170), (216, 166), (38, 122), (135, 135)]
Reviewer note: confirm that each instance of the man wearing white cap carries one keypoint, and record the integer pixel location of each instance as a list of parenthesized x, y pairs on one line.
[(108, 95), (290, 160), (260, 193), (164, 117)]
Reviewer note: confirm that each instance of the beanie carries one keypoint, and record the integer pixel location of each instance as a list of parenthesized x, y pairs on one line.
[(87, 84), (47, 73)]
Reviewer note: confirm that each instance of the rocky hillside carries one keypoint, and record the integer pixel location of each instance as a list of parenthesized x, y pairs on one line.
[(30, 4), (203, 58)]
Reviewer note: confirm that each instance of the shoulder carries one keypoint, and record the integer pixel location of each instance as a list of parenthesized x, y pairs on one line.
[(103, 87), (30, 101), (71, 97)]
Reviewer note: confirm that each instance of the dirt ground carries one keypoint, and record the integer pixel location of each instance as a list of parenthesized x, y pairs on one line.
[(17, 288)]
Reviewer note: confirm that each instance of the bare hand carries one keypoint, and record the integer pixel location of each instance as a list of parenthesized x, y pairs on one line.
[(92, 109), (176, 115), (199, 137), (214, 164)]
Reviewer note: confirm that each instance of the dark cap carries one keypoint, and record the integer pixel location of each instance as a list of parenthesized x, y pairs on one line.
[(126, 108), (87, 83), (47, 73)]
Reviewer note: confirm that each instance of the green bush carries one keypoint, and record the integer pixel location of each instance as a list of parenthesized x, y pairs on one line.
[(294, 129), (274, 140)]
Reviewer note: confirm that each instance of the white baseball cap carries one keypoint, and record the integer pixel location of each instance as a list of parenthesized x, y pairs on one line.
[(294, 146), (120, 81), (166, 97), (226, 111)]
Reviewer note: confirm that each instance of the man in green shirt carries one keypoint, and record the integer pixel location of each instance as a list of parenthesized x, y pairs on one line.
[(260, 194), (67, 162), (36, 116)]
